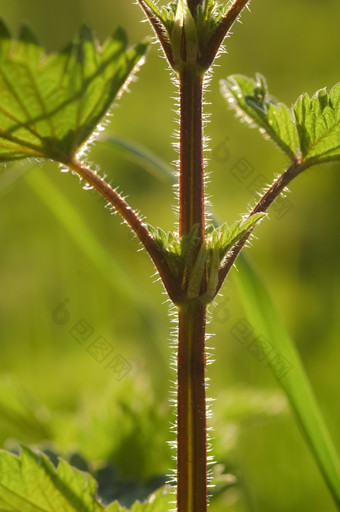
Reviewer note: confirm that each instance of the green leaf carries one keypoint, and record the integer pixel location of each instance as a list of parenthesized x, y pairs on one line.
[(177, 251), (224, 238), (310, 132), (288, 369), (30, 483), (318, 124), (253, 103), (163, 17), (50, 105), (184, 34)]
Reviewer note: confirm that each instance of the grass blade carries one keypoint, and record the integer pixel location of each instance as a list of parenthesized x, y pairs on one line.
[(266, 320), (122, 282), (74, 224), (141, 156)]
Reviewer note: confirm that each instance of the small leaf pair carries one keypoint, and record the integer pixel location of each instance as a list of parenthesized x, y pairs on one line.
[(191, 32), (197, 268), (309, 132)]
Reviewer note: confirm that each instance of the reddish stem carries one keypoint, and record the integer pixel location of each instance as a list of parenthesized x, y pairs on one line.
[(191, 417), (135, 223), (191, 420), (191, 179), (221, 31), (262, 206)]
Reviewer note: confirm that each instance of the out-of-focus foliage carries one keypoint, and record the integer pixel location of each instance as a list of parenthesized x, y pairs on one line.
[(40, 265)]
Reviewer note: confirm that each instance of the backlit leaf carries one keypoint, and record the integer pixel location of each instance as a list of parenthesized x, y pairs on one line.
[(318, 123), (309, 132), (224, 238), (253, 103), (50, 105)]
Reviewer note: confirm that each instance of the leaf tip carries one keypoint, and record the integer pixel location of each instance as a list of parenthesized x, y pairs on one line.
[(4, 32), (85, 33), (121, 35), (26, 35)]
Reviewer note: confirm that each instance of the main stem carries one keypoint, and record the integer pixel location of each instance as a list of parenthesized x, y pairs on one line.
[(191, 401), (191, 410), (191, 179)]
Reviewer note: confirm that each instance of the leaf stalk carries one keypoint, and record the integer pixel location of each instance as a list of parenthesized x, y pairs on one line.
[(135, 223), (262, 206)]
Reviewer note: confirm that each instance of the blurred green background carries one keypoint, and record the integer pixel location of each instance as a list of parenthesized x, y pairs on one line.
[(52, 390)]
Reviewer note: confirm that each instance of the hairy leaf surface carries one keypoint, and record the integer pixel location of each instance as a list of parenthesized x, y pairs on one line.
[(224, 238), (50, 105), (318, 123), (309, 132), (253, 103)]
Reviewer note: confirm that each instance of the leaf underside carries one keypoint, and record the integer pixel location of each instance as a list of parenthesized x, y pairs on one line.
[(309, 132), (50, 105)]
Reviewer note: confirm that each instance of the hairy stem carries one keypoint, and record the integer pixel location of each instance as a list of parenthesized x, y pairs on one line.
[(221, 31), (135, 223), (159, 31), (262, 206), (191, 417), (191, 421), (191, 179)]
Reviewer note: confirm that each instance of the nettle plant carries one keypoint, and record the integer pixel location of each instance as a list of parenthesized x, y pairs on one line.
[(51, 106)]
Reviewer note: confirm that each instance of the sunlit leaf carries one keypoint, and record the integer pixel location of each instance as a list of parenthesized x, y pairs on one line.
[(253, 103), (225, 237), (309, 132), (178, 251), (318, 123), (50, 105)]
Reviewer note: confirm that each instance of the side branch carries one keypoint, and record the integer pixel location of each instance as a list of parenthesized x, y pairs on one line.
[(222, 30), (159, 30), (135, 223), (262, 206)]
